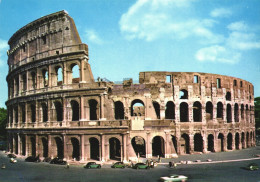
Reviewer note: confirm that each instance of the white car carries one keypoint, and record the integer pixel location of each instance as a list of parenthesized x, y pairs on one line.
[(174, 177)]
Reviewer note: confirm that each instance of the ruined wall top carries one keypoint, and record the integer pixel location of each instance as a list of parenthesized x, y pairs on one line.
[(47, 36)]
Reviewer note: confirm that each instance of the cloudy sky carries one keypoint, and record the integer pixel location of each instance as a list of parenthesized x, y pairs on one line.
[(126, 37)]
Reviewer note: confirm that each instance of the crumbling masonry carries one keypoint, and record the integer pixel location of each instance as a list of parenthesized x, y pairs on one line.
[(53, 112)]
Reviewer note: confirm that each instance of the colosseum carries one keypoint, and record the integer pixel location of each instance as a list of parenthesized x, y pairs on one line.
[(57, 109)]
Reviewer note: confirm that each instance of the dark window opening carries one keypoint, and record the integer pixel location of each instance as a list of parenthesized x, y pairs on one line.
[(229, 113), (236, 113), (94, 148), (221, 141), (220, 110), (75, 146), (44, 40), (59, 111), (170, 110), (241, 84), (75, 110), (156, 106), (59, 147), (197, 112), (45, 147), (183, 94), (218, 83), (209, 111), (228, 96), (185, 143), (93, 109), (138, 144), (119, 110), (44, 112), (198, 143), (229, 141), (33, 113), (115, 149), (235, 83), (158, 146), (211, 143), (184, 112)]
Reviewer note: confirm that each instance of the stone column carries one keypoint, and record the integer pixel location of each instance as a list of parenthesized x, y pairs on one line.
[(148, 145), (82, 109), (167, 144), (65, 147), (65, 74), (82, 73), (124, 147), (205, 143), (214, 113), (191, 136), (19, 143), (102, 114), (50, 148), (82, 144), (233, 141), (37, 144)]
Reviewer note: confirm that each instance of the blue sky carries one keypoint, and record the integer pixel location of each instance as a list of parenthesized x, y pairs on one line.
[(126, 37)]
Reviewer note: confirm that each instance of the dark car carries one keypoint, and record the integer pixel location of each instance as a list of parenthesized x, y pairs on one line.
[(57, 160), (11, 155), (252, 167), (119, 165), (92, 165), (141, 166), (33, 159)]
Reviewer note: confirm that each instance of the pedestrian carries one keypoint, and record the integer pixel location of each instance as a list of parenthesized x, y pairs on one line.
[(170, 164)]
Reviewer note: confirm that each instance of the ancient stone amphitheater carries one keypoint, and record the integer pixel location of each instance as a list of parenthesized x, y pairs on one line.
[(56, 108)]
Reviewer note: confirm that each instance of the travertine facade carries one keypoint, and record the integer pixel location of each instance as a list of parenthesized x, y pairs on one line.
[(53, 112)]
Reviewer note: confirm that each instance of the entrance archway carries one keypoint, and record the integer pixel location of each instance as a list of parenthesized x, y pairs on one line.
[(174, 141), (211, 143), (184, 112), (237, 141), (158, 146), (115, 149), (185, 143), (198, 143), (76, 148), (229, 141), (243, 140), (59, 147), (44, 147), (138, 144), (94, 148), (221, 141), (33, 146)]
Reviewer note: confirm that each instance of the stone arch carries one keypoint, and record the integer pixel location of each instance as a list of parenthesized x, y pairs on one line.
[(45, 77), (170, 110), (119, 110), (93, 109), (237, 141), (44, 112), (16, 144), (229, 113), (198, 143), (247, 139), (23, 143), (197, 117), (33, 112), (228, 96), (183, 94), (33, 80), (58, 111), (211, 143), (209, 111), (114, 149), (59, 75), (158, 146), (221, 141), (174, 142), (219, 110), (242, 111), (33, 146), (24, 80), (247, 113), (16, 114), (236, 113), (76, 148), (243, 140), (229, 141), (139, 146), (137, 108), (94, 148), (185, 143), (184, 112), (75, 72), (156, 107), (75, 110), (44, 147), (59, 147)]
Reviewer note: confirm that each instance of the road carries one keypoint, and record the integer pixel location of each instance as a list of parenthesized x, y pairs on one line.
[(211, 172)]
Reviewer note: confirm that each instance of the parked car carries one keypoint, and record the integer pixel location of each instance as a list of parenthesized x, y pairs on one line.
[(118, 165), (57, 160), (92, 165), (141, 166), (33, 159), (252, 167), (11, 155), (174, 177)]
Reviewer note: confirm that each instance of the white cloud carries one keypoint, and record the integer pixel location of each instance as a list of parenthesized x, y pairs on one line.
[(221, 12), (217, 53), (238, 26), (3, 49), (93, 37)]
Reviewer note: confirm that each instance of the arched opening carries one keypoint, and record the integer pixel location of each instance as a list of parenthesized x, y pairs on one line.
[(229, 141), (59, 75), (75, 73), (138, 144), (33, 146), (44, 147), (115, 149), (16, 144), (247, 113), (174, 142), (137, 108), (219, 110), (242, 111), (211, 143), (228, 96), (33, 75), (247, 140), (158, 146), (45, 77), (33, 113), (94, 148), (185, 143), (23, 140), (59, 111), (119, 110), (209, 111), (237, 141), (221, 141), (24, 78), (16, 114), (76, 148), (93, 109), (59, 147), (183, 94), (243, 140), (44, 112), (197, 112), (156, 107), (184, 112), (236, 113), (17, 85), (75, 110), (170, 110), (229, 113), (23, 113), (198, 143)]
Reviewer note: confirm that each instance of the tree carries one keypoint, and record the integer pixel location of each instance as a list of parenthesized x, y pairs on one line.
[(3, 121), (257, 114)]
